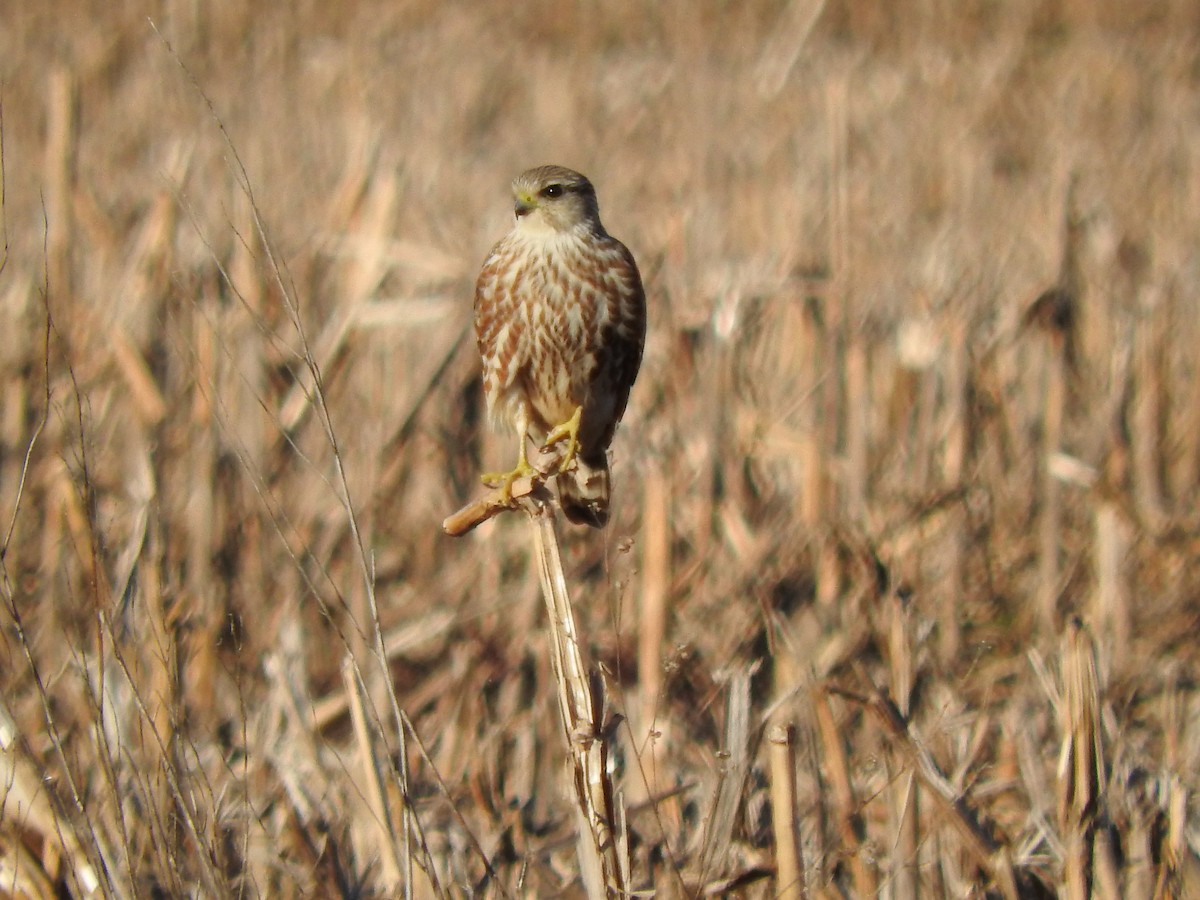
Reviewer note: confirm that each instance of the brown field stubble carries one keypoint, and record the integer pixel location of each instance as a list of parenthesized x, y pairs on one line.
[(904, 534)]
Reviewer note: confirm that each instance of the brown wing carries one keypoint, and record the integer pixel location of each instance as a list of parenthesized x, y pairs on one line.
[(618, 350)]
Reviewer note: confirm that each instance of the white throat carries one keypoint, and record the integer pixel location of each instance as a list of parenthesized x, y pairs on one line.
[(534, 229), (534, 225)]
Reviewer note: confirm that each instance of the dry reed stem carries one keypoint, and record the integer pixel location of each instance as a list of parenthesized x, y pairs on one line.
[(1107, 881), (950, 594), (1111, 596), (849, 819), (988, 853), (366, 638), (187, 805), (1152, 326), (60, 153), (1050, 492), (791, 36), (905, 814), (1180, 870), (648, 736), (810, 346), (582, 706), (840, 321), (1187, 435), (382, 835), (734, 769), (423, 635), (359, 279), (1140, 870), (1081, 771), (789, 860), (142, 387), (858, 424), (25, 803)]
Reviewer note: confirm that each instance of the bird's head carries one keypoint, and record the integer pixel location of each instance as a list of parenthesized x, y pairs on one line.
[(554, 199)]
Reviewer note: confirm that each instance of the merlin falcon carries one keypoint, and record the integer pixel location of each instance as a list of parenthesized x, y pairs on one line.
[(560, 318)]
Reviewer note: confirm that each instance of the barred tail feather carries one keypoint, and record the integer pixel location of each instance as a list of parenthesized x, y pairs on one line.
[(583, 493)]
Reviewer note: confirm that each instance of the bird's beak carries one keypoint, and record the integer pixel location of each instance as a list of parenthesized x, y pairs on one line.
[(524, 205)]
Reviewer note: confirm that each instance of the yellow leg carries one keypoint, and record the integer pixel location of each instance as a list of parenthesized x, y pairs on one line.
[(504, 480), (568, 431)]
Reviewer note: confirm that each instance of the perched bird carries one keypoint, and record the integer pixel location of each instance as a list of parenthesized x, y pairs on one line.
[(560, 318)]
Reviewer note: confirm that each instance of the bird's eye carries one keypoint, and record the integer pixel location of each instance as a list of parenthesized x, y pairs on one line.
[(554, 190)]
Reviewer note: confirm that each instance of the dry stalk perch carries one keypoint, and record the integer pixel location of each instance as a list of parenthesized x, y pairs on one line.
[(529, 493), (603, 850), (474, 514), (581, 701)]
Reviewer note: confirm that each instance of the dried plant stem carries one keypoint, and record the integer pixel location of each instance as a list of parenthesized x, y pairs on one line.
[(814, 493), (385, 839), (905, 808), (652, 620), (810, 344), (24, 799), (954, 462), (1145, 433), (1187, 435), (368, 617), (789, 861), (656, 573), (61, 140), (719, 827), (528, 493), (850, 823), (1112, 611), (185, 802), (1081, 764), (837, 103), (1182, 867), (581, 702), (992, 856), (1050, 492), (906, 821), (858, 423)]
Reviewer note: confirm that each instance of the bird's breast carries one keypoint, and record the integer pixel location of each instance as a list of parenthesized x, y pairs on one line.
[(547, 304)]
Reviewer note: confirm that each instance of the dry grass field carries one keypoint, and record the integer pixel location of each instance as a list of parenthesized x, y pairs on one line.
[(901, 593)]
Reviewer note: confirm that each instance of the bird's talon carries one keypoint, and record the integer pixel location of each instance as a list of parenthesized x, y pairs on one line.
[(568, 431), (505, 480), (568, 457)]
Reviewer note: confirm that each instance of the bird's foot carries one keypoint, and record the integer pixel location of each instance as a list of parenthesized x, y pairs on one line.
[(504, 480), (568, 431)]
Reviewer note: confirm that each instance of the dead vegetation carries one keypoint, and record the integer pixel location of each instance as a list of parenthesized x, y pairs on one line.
[(900, 596)]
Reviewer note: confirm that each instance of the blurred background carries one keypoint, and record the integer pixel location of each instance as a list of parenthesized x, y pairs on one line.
[(919, 403)]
